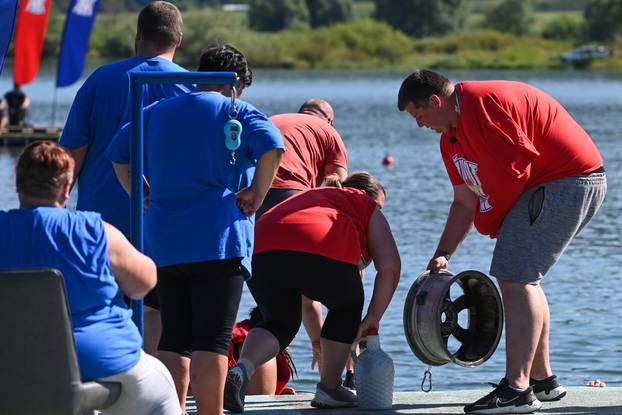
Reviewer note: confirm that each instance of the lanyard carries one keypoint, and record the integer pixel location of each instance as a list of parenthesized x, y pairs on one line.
[(233, 129)]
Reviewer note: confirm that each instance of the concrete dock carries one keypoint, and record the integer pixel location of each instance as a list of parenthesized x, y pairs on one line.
[(579, 401)]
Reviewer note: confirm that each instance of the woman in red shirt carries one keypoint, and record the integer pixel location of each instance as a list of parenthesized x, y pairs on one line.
[(311, 245)]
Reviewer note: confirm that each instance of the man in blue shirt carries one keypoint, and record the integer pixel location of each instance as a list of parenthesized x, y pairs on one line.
[(199, 227), (102, 106)]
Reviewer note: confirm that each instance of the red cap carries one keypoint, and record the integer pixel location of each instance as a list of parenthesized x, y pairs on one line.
[(372, 331)]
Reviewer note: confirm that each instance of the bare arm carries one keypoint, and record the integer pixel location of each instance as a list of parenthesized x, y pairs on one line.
[(459, 222), (123, 173), (312, 319), (250, 198), (79, 154), (4, 120), (135, 273), (387, 262)]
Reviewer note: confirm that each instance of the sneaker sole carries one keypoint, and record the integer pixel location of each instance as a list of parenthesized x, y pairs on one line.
[(523, 409), (324, 401), (334, 404), (232, 393), (553, 395)]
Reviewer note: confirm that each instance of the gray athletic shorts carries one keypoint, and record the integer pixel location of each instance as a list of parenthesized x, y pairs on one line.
[(542, 224)]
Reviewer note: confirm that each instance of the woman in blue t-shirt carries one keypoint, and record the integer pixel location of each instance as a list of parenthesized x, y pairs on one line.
[(98, 265)]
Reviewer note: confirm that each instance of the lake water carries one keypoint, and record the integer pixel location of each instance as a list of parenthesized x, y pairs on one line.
[(584, 288)]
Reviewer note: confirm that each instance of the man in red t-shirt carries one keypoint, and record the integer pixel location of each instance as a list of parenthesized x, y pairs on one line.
[(524, 172), (314, 150)]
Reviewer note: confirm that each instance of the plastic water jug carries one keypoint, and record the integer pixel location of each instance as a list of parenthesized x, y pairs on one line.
[(373, 374)]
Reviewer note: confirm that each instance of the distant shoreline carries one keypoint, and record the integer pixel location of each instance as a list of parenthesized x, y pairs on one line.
[(359, 44)]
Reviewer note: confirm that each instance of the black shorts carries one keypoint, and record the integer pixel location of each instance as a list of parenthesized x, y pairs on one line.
[(151, 299), (198, 305), (280, 278)]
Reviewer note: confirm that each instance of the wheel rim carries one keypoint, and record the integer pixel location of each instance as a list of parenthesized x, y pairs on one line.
[(432, 318)]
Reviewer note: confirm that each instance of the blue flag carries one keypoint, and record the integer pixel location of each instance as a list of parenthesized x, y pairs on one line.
[(75, 43), (8, 8)]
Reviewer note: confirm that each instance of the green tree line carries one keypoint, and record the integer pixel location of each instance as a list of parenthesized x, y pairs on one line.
[(379, 33)]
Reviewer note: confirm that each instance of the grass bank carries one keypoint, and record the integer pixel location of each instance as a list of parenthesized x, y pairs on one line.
[(359, 44)]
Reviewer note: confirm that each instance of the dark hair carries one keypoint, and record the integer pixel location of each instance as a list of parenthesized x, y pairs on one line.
[(42, 170), (421, 85), (226, 58), (361, 180), (159, 24)]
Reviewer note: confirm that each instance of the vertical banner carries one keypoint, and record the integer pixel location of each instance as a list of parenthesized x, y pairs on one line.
[(75, 43), (32, 22), (7, 20)]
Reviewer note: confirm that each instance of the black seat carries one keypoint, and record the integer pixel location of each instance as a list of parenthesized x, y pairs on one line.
[(39, 372)]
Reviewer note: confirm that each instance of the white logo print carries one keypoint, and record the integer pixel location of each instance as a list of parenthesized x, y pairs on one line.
[(502, 402), (84, 8), (36, 6), (468, 172)]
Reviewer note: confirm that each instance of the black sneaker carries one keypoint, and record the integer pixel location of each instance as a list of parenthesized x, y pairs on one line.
[(505, 400), (349, 380), (341, 397), (235, 389), (548, 389)]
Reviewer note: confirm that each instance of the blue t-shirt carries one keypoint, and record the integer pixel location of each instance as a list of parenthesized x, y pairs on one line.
[(75, 243), (100, 108), (192, 215)]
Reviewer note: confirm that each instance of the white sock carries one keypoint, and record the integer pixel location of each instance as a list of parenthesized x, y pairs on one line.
[(518, 389), (248, 366)]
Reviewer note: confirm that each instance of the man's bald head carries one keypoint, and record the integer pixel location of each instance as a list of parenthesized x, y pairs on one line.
[(319, 108)]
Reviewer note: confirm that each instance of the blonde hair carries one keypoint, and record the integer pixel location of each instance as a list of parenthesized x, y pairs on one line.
[(332, 180), (361, 180)]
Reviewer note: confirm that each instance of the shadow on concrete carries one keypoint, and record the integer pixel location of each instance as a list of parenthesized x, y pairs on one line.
[(584, 410), (284, 408)]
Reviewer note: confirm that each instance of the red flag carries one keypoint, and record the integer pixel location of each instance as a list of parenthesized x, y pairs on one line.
[(32, 22)]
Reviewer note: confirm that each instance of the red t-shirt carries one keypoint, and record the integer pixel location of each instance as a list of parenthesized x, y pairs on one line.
[(311, 144), (326, 221), (511, 137)]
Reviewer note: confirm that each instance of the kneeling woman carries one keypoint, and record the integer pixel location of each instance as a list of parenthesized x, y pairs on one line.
[(310, 245), (98, 265)]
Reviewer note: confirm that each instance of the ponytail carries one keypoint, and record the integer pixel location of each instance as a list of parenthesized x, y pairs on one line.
[(366, 182), (332, 180)]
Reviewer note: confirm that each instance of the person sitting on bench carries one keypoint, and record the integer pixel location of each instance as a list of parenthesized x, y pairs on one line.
[(98, 265)]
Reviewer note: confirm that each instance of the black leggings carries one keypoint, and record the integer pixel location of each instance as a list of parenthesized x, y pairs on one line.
[(198, 304), (280, 278), (273, 198)]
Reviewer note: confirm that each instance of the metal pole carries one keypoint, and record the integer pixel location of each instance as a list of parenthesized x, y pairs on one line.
[(54, 102), (137, 194)]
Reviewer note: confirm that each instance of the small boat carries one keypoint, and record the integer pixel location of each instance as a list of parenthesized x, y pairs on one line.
[(24, 135)]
